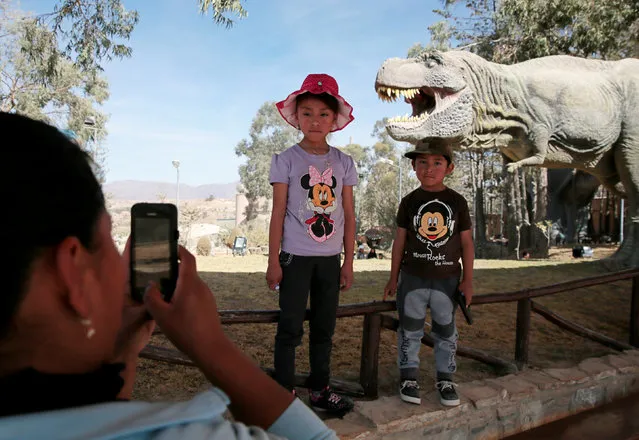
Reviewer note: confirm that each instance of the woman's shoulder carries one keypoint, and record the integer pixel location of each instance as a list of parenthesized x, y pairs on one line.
[(121, 419)]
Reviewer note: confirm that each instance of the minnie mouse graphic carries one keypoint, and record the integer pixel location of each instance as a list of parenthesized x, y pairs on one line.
[(321, 200)]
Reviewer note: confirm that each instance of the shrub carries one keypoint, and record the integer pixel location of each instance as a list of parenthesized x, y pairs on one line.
[(203, 246)]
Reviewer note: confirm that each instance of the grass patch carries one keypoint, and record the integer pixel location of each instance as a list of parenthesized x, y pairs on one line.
[(239, 283)]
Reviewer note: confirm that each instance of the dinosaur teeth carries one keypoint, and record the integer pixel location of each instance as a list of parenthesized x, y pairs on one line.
[(388, 92)]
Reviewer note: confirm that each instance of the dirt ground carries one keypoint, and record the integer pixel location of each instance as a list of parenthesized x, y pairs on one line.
[(238, 283)]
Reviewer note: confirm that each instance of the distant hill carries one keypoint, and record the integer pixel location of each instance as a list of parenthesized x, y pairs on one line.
[(150, 191)]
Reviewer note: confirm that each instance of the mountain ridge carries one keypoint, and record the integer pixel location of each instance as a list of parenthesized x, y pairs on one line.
[(153, 191)]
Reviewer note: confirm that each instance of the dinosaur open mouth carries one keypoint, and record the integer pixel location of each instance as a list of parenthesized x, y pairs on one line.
[(425, 101)]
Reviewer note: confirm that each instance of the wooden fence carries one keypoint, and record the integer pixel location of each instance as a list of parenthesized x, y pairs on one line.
[(376, 317)]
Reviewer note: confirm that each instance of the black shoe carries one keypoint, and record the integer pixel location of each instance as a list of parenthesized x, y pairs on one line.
[(447, 394), (409, 392), (330, 402)]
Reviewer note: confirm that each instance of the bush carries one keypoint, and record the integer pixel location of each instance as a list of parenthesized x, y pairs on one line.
[(230, 239), (203, 246), (257, 232)]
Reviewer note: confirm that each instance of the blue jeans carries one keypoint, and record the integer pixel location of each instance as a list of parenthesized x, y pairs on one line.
[(414, 296)]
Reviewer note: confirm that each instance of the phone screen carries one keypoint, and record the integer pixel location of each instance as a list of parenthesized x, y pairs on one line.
[(152, 252)]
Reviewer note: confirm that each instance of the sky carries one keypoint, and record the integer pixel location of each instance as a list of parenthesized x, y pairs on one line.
[(191, 88)]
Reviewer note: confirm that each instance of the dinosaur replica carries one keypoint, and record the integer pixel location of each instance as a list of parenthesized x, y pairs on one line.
[(556, 112)]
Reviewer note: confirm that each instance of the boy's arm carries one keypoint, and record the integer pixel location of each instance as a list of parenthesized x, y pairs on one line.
[(346, 275), (468, 260)]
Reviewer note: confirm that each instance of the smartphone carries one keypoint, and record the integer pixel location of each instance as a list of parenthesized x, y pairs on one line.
[(154, 247)]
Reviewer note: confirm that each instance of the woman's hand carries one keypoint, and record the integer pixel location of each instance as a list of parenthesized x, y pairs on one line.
[(134, 334), (137, 327), (191, 320)]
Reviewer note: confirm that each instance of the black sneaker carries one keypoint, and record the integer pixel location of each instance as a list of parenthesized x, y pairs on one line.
[(409, 392), (330, 402), (447, 394)]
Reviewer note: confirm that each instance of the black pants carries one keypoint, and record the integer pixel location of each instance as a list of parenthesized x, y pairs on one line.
[(301, 275)]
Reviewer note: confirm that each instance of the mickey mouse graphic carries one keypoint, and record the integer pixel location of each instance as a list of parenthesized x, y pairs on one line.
[(321, 200), (434, 223)]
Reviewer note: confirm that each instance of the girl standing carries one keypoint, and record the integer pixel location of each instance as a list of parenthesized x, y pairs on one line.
[(313, 217)]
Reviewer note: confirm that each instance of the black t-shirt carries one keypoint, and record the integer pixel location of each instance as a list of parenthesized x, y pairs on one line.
[(433, 221)]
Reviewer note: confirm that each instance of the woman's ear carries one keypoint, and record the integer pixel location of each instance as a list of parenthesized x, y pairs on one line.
[(73, 266)]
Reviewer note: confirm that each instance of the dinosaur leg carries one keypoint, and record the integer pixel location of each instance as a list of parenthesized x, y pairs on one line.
[(627, 162), (539, 137)]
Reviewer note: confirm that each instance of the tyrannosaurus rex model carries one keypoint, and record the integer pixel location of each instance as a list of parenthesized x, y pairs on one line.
[(555, 112)]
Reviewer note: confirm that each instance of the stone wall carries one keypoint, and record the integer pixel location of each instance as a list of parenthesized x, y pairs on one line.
[(494, 408)]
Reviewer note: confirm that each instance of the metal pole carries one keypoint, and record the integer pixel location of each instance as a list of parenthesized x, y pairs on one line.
[(177, 189), (621, 221)]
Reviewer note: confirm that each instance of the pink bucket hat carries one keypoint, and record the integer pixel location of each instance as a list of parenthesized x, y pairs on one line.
[(317, 83)]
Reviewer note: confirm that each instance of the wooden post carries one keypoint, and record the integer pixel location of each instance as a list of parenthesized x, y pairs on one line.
[(522, 337), (634, 313), (368, 371)]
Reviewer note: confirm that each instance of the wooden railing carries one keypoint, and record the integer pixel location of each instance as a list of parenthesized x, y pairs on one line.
[(375, 319)]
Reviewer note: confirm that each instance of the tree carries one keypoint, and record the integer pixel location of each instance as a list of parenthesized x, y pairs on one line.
[(188, 216), (63, 95), (379, 201), (221, 9), (362, 161), (511, 31), (86, 32), (440, 32), (269, 134)]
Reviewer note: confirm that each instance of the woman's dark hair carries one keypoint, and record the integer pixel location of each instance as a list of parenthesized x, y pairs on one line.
[(329, 100), (49, 192)]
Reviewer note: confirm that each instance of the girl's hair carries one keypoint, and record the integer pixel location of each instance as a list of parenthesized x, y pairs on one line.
[(329, 100)]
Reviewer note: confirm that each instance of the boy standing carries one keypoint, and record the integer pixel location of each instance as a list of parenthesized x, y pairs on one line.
[(433, 234)]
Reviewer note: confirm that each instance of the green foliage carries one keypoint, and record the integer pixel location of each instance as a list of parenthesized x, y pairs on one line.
[(221, 9), (188, 215), (269, 134), (378, 191), (91, 31), (441, 33), (608, 30), (37, 80), (203, 246), (256, 232), (510, 31)]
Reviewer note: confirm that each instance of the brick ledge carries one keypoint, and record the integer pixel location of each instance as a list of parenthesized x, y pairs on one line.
[(497, 407)]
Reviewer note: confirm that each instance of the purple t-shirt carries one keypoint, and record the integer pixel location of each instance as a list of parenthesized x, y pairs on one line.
[(314, 221)]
